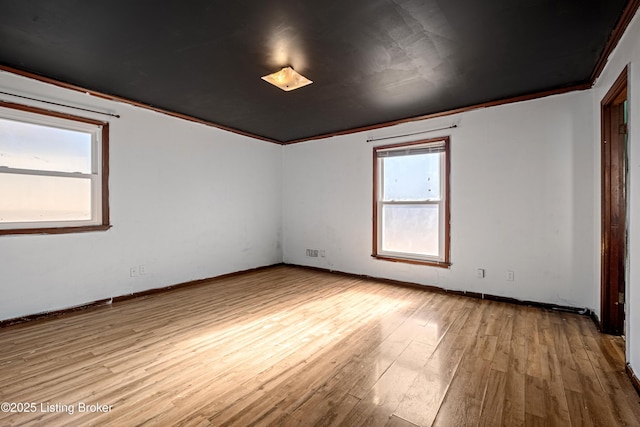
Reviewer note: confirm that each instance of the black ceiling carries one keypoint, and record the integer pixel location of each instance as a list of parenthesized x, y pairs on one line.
[(372, 61)]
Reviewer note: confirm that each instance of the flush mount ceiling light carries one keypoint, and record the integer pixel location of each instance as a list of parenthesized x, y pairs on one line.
[(287, 79)]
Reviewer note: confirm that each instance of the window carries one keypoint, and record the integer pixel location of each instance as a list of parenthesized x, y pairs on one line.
[(53, 172), (411, 202)]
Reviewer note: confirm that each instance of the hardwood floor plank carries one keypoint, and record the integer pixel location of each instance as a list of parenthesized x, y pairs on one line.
[(289, 346), (611, 376), (556, 398), (600, 413), (501, 357), (535, 391), (514, 403), (493, 400), (463, 402), (578, 409), (422, 401), (395, 421), (387, 393)]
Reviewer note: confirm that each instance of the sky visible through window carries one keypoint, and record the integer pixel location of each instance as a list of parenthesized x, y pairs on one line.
[(44, 198), (413, 177), (411, 228), (29, 146)]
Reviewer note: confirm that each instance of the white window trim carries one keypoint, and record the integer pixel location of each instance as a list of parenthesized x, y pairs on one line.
[(95, 128)]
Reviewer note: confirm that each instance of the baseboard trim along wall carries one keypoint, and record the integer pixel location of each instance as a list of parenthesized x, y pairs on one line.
[(469, 294), (55, 313), (115, 299), (634, 380), (476, 295), (190, 283)]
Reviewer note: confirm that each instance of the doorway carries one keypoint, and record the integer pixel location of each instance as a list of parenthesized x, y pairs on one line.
[(614, 120)]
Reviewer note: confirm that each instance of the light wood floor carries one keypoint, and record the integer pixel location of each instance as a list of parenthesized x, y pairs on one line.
[(289, 346)]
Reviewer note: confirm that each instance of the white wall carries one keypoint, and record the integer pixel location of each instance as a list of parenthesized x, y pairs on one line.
[(626, 53), (187, 201), (522, 179)]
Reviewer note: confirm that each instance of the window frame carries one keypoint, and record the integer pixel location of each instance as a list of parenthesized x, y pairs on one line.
[(100, 163), (444, 259)]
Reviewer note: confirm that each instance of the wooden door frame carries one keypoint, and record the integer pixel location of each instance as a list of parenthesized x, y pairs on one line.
[(611, 312)]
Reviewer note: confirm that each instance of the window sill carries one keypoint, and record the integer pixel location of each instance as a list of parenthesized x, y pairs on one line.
[(438, 264), (56, 230)]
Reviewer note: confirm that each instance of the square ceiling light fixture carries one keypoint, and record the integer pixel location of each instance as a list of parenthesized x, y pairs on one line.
[(287, 79)]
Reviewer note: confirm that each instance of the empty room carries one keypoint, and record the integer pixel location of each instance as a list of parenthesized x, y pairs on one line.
[(367, 213)]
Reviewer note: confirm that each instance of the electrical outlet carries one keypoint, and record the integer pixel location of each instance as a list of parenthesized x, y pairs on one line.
[(142, 270), (322, 253), (133, 271), (510, 276), (480, 273)]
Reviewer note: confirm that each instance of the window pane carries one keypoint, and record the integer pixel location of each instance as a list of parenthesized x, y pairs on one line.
[(414, 177), (31, 198), (411, 229), (29, 146)]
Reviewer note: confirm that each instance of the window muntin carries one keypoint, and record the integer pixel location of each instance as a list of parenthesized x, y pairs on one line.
[(411, 210), (53, 172)]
